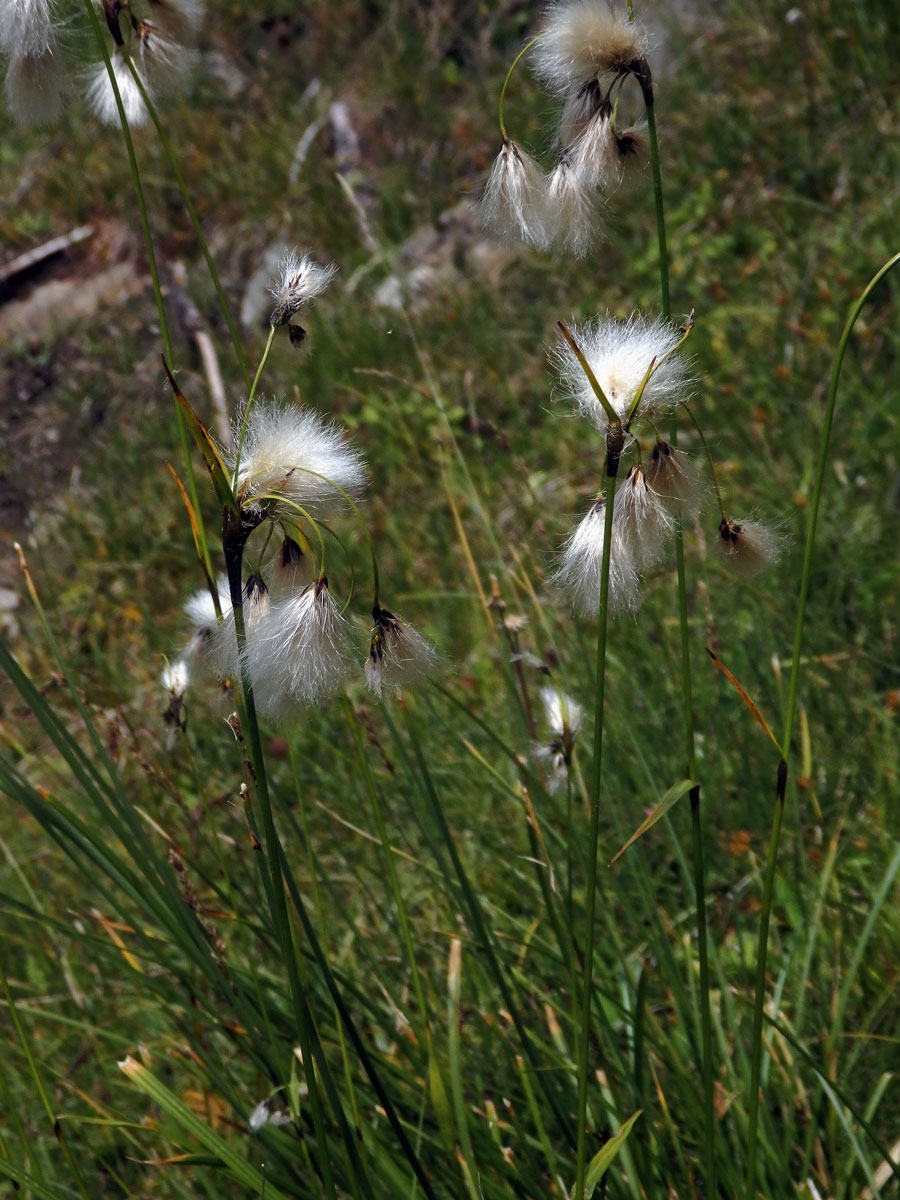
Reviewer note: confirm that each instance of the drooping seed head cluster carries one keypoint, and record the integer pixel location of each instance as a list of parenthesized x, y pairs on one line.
[(52, 56), (280, 626), (582, 53), (638, 368)]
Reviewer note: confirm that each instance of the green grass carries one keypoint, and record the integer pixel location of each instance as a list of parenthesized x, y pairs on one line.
[(780, 171)]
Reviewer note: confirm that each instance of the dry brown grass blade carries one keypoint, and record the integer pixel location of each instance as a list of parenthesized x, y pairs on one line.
[(744, 695)]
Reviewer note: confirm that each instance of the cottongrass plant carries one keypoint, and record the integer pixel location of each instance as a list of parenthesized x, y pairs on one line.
[(620, 376), (47, 44)]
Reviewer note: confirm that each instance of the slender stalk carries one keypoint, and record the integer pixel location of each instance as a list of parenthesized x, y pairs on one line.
[(687, 700), (195, 220), (245, 415), (594, 836), (233, 544), (183, 438), (782, 775), (647, 85)]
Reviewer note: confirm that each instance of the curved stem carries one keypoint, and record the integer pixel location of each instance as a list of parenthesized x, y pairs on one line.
[(781, 780), (515, 63), (658, 196), (245, 415), (593, 840), (709, 458), (687, 691)]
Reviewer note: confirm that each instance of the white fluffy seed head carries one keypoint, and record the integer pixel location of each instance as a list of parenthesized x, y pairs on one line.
[(673, 476), (582, 103), (164, 63), (398, 654), (580, 568), (641, 520), (175, 678), (561, 712), (299, 281), (296, 454), (563, 717), (619, 353), (573, 207), (202, 611), (35, 87), (299, 653), (101, 98), (632, 155), (748, 547), (514, 204), (26, 27), (581, 39), (595, 152)]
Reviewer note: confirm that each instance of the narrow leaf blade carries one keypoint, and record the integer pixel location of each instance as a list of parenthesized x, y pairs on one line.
[(602, 1160), (672, 796)]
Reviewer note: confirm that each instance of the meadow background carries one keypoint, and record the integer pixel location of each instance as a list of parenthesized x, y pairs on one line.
[(780, 135)]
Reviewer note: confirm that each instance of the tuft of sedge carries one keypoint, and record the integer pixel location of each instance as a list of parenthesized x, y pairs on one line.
[(673, 476), (295, 454), (101, 97), (299, 281), (583, 39), (398, 654), (573, 207), (619, 354), (641, 520), (26, 28), (36, 87), (514, 204), (749, 547), (298, 653), (580, 568)]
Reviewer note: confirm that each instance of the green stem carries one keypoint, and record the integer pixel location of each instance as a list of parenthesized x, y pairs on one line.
[(183, 438), (245, 415), (594, 837), (233, 544), (515, 63), (687, 694), (658, 196), (781, 780)]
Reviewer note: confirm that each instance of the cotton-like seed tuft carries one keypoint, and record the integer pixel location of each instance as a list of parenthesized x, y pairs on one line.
[(175, 678), (164, 63), (641, 520), (620, 353), (398, 655), (35, 87), (26, 27), (514, 205), (563, 717), (102, 100), (581, 566), (748, 547), (295, 454), (581, 39), (299, 281), (673, 476), (299, 653), (573, 208)]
